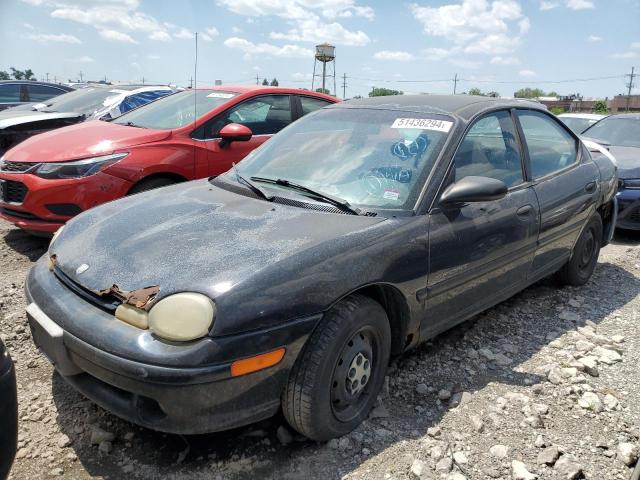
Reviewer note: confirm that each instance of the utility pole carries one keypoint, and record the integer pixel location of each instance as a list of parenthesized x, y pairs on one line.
[(80, 75), (257, 79), (47, 76), (55, 79), (191, 82), (630, 85), (143, 80), (344, 86), (455, 83)]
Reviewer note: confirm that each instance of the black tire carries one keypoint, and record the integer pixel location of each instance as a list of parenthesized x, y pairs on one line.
[(314, 402), (150, 184), (584, 257)]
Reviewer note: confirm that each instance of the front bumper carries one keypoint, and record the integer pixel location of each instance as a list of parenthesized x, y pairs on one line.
[(180, 393), (628, 209), (42, 205)]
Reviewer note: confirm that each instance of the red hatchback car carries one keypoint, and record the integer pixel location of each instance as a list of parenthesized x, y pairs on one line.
[(49, 178)]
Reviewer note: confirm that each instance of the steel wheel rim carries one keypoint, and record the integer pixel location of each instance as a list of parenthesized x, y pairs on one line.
[(351, 380), (588, 249)]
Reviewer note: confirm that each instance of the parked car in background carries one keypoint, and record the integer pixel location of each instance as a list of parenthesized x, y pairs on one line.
[(620, 134), (89, 103), (8, 412), (18, 92), (579, 122), (48, 179), (360, 231)]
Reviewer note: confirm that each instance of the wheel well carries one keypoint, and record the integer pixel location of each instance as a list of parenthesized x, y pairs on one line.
[(606, 211), (170, 176), (397, 310)]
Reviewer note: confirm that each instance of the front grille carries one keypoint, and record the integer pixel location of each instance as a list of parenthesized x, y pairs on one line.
[(13, 192), (634, 216), (17, 167)]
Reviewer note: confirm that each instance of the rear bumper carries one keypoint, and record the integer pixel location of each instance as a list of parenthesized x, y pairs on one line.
[(8, 413), (188, 396), (42, 205), (628, 209)]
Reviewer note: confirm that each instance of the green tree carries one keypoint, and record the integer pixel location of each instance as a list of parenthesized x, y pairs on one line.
[(274, 82), (323, 90), (557, 110), (493, 94), (265, 82), (383, 92), (600, 106), (4, 75), (529, 93), (475, 91), (22, 74)]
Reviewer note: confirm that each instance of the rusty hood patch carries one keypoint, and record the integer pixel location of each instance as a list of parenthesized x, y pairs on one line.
[(142, 298)]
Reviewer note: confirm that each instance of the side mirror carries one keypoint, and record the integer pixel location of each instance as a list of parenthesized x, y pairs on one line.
[(473, 189), (234, 132)]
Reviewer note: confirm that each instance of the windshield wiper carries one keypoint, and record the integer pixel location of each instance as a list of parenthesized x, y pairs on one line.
[(254, 188), (338, 202), (131, 124)]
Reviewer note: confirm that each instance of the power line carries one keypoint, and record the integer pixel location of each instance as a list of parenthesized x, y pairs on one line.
[(536, 82)]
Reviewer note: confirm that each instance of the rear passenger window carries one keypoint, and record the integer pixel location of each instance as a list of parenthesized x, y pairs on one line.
[(263, 115), (10, 93), (551, 147), (311, 104), (40, 93), (489, 149)]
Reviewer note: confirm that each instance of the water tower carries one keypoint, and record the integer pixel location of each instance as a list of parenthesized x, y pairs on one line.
[(325, 54)]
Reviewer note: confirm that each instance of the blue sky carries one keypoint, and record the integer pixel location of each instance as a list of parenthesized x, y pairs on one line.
[(499, 45)]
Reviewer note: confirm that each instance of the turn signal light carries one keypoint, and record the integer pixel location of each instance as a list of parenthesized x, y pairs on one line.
[(259, 362)]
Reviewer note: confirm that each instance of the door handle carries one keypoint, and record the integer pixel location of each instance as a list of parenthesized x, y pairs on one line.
[(524, 211), (590, 187)]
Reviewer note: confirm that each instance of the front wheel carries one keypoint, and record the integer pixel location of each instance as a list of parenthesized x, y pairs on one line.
[(584, 257), (340, 371)]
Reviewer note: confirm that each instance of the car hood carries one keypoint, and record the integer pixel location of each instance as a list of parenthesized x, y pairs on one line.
[(87, 139), (10, 118), (628, 159), (191, 237)]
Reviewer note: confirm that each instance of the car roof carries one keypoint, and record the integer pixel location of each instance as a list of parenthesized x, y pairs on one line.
[(464, 106), (631, 115), (586, 116), (242, 89), (36, 82)]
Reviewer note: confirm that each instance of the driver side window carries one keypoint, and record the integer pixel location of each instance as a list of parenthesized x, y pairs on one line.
[(489, 149), (265, 115)]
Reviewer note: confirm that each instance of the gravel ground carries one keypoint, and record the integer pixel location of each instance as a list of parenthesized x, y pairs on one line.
[(545, 386)]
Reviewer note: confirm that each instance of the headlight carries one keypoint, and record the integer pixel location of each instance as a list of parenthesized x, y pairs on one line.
[(78, 168), (182, 317), (631, 183)]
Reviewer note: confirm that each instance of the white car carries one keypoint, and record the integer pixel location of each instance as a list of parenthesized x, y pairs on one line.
[(579, 122)]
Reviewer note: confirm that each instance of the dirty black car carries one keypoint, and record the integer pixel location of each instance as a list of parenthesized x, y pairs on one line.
[(288, 282)]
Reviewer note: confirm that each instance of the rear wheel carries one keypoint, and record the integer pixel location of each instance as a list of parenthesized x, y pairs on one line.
[(150, 184), (340, 371), (579, 268)]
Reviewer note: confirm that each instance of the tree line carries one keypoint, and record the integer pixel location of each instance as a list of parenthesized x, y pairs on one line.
[(17, 74)]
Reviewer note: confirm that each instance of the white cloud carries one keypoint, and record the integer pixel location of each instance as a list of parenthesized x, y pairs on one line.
[(635, 45), (235, 29), (629, 54), (160, 35), (594, 38), (393, 55), (83, 59), (579, 4), (183, 33), (307, 18), (212, 31), (153, 57), (473, 27), (28, 25), (301, 76), (504, 61), (257, 49), (49, 38), (116, 36), (547, 5), (527, 73)]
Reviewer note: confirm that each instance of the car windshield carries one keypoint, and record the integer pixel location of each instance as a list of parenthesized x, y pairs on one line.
[(620, 131), (577, 125), (85, 101), (175, 111), (370, 158)]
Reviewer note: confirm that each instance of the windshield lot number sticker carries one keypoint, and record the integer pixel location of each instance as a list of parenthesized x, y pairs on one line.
[(423, 124), (391, 194), (220, 95)]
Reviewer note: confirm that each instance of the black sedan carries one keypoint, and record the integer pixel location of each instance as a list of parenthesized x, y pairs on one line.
[(8, 412), (18, 92), (621, 136), (356, 233)]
